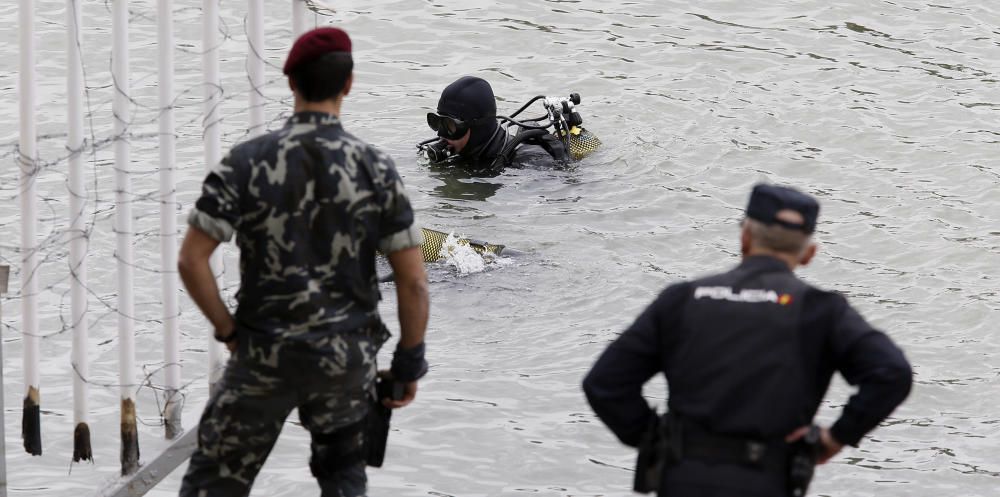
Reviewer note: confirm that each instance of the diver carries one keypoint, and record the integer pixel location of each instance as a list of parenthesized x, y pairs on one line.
[(471, 135)]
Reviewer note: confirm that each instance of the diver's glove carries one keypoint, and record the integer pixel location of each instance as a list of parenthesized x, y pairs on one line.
[(409, 364)]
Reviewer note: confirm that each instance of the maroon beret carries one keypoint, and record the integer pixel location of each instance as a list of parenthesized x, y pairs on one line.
[(314, 44)]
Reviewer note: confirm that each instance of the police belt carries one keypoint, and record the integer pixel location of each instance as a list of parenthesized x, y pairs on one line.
[(703, 445)]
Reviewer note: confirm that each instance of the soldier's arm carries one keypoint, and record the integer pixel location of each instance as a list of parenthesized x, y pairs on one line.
[(614, 385), (400, 239), (211, 222), (196, 273), (413, 309), (868, 359)]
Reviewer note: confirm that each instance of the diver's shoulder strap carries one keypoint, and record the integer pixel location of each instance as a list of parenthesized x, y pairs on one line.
[(506, 155), (553, 145), (547, 141)]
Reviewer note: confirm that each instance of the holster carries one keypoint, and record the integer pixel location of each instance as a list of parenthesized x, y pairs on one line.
[(659, 447), (377, 423), (802, 457)]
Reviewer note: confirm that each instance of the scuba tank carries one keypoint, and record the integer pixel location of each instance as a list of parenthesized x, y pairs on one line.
[(561, 122)]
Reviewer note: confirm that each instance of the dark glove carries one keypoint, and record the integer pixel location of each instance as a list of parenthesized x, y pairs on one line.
[(408, 364)]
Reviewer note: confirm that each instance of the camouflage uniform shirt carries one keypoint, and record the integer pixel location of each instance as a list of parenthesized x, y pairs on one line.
[(309, 204)]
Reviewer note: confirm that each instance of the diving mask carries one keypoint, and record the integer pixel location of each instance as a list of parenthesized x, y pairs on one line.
[(452, 128)]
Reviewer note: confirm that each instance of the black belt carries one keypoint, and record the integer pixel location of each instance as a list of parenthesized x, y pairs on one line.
[(710, 447)]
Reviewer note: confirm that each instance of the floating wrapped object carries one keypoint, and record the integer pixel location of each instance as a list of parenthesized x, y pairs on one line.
[(434, 240)]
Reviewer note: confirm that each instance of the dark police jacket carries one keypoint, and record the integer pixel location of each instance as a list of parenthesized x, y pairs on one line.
[(749, 353), (501, 151)]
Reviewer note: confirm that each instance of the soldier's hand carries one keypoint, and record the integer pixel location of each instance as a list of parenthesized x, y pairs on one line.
[(226, 331), (409, 393)]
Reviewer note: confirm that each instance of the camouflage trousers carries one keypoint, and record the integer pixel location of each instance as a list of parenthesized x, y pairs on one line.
[(328, 380)]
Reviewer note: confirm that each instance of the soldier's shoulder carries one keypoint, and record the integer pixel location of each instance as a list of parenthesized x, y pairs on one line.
[(255, 146), (367, 150), (379, 155), (348, 137), (380, 160)]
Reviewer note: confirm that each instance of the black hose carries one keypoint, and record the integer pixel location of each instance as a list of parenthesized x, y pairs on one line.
[(429, 140), (525, 106), (521, 137), (523, 124)]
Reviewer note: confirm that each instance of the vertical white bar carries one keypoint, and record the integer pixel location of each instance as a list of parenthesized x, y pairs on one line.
[(123, 199), (213, 98), (4, 273), (28, 161), (168, 220), (77, 230), (298, 18), (123, 233), (255, 65)]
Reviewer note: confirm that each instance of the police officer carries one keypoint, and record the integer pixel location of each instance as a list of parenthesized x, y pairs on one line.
[(748, 356), (466, 122), (309, 205)]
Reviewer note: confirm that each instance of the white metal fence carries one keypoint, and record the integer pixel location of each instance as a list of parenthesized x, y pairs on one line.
[(77, 154)]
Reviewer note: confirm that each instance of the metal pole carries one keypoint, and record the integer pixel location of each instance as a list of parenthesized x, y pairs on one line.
[(31, 431), (4, 273), (78, 233), (255, 65), (123, 234), (298, 18), (168, 222), (213, 98)]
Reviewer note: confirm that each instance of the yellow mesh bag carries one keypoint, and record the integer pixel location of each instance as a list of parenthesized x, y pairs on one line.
[(434, 240), (582, 142)]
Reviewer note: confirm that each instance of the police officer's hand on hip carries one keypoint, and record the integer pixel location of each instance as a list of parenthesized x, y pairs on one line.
[(748, 355)]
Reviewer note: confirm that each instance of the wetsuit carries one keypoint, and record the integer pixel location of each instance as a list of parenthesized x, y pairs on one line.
[(499, 151)]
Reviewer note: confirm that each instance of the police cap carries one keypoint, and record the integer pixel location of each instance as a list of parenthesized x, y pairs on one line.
[(314, 44), (767, 200)]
